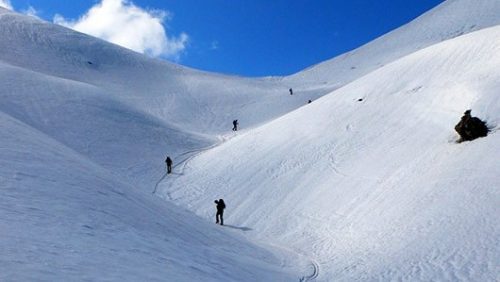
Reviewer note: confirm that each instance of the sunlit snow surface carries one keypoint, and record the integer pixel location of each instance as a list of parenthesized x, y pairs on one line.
[(365, 183)]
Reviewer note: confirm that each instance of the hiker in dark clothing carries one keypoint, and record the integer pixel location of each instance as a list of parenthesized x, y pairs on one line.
[(291, 91), (169, 164), (460, 127), (220, 211), (235, 125), (470, 128)]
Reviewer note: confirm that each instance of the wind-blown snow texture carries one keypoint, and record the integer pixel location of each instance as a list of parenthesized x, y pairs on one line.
[(365, 183)]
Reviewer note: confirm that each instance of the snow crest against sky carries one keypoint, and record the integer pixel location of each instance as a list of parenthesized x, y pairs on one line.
[(5, 4), (248, 38), (123, 23)]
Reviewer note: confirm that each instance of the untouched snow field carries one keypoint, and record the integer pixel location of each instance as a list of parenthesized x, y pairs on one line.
[(364, 184)]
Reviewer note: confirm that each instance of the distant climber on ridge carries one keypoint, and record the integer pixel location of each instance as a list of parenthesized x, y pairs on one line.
[(235, 125), (220, 211), (168, 161), (291, 91), (470, 128)]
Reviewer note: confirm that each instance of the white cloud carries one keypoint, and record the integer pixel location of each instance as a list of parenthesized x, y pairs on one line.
[(5, 4), (214, 45), (31, 12), (123, 23)]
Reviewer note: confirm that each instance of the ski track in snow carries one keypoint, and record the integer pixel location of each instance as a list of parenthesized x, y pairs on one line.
[(314, 274), (183, 162)]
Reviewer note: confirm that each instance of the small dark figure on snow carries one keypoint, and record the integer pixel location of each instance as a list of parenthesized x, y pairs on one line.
[(235, 125), (309, 102), (220, 211), (168, 161), (470, 128), (291, 91)]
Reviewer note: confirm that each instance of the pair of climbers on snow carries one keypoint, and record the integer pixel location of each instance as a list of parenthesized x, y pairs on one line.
[(219, 216)]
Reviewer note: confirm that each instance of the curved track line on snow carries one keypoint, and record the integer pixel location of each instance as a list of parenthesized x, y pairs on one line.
[(192, 154), (159, 181), (312, 262), (196, 152), (314, 275)]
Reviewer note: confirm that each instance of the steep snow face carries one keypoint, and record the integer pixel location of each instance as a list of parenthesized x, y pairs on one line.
[(375, 189), (450, 19), (84, 118)]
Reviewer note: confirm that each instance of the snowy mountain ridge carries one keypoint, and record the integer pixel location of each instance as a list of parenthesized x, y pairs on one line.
[(450, 19), (365, 183)]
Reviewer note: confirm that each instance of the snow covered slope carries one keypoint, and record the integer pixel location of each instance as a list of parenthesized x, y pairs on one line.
[(450, 19), (64, 218), (377, 189), (365, 183), (103, 90), (79, 159), (189, 99)]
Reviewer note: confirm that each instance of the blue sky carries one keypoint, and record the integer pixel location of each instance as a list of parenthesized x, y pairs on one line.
[(247, 37)]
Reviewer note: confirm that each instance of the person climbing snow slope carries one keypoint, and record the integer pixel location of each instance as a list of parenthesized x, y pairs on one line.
[(220, 211), (235, 125), (168, 161)]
